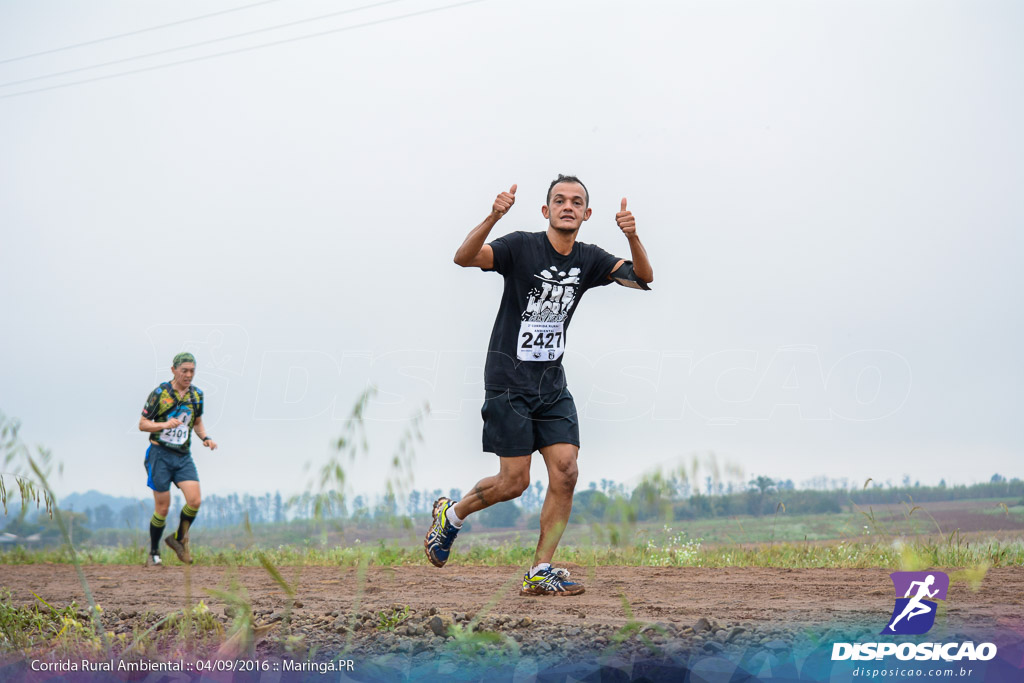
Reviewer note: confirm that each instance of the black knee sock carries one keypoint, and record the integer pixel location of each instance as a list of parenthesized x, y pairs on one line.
[(156, 530), (188, 517)]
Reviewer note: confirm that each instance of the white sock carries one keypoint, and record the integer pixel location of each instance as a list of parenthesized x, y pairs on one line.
[(453, 518), (542, 565)]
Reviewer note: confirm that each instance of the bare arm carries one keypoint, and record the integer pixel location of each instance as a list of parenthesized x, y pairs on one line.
[(474, 253), (641, 264), (146, 425), (199, 429)]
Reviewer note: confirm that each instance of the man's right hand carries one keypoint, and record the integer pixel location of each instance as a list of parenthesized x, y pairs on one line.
[(503, 202), (473, 252), (172, 423)]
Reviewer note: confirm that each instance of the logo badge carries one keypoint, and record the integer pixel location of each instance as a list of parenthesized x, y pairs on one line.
[(916, 595)]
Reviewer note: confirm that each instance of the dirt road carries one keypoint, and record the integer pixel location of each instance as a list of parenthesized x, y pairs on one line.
[(694, 610)]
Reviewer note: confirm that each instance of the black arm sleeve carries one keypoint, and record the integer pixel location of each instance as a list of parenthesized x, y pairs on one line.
[(625, 276)]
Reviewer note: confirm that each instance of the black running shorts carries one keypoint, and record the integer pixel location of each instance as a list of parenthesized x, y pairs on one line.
[(519, 424)]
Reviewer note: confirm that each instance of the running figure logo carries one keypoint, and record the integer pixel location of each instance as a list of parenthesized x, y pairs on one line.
[(914, 613)]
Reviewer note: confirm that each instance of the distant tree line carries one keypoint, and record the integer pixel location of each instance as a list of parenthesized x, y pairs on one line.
[(655, 497), (672, 498)]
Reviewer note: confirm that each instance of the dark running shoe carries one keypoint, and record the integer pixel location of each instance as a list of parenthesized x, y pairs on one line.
[(153, 560), (180, 548), (550, 581), (438, 543)]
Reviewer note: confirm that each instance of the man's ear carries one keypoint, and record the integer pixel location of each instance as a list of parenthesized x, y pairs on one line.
[(544, 211), (586, 214)]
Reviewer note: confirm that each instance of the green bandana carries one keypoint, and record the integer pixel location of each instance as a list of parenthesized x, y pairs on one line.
[(184, 357)]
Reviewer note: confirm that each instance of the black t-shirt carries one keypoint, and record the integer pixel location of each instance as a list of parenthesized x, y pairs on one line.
[(542, 291)]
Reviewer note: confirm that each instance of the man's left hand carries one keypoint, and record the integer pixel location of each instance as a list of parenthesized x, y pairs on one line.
[(211, 444), (625, 220)]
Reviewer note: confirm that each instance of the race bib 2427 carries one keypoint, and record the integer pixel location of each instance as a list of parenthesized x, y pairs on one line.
[(540, 341)]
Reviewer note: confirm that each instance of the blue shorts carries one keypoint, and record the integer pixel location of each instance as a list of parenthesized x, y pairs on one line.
[(519, 424), (164, 466)]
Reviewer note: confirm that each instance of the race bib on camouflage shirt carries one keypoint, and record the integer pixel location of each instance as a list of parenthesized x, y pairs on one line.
[(540, 341), (178, 435)]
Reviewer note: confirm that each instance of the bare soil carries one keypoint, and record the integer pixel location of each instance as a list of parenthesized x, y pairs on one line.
[(688, 610)]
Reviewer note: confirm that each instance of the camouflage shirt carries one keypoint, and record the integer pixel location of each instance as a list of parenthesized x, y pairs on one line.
[(163, 404)]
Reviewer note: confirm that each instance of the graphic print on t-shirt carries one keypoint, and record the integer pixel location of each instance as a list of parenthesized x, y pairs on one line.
[(542, 330)]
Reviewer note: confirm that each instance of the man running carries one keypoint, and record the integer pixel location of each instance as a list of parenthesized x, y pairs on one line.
[(172, 412), (527, 406)]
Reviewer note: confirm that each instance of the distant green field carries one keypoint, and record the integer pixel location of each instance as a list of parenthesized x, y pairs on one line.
[(890, 538), (669, 550), (935, 534), (869, 523), (1015, 511)]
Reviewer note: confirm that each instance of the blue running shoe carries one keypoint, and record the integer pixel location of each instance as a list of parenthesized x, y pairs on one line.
[(438, 543), (550, 581)]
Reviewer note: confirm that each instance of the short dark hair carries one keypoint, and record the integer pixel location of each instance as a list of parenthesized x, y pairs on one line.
[(569, 179)]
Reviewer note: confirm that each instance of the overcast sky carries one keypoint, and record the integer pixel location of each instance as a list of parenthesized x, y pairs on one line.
[(829, 193)]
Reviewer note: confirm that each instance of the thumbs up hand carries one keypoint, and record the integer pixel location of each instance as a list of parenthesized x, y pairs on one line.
[(625, 220), (503, 202)]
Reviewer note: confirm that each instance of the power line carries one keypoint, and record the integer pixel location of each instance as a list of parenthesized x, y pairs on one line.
[(137, 32), (200, 43), (245, 49)]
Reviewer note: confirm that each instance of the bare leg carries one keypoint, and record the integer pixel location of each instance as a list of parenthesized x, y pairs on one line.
[(161, 502), (511, 480), (190, 489), (560, 459)]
